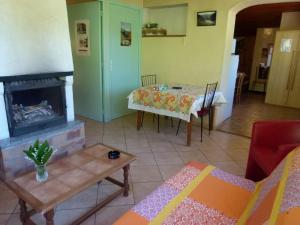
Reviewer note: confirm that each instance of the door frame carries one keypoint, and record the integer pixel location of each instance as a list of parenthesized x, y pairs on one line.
[(230, 25), (106, 59)]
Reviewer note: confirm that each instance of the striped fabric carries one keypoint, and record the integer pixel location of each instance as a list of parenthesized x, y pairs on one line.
[(204, 195)]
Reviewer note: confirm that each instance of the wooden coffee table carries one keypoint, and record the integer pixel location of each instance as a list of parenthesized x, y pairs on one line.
[(67, 178)]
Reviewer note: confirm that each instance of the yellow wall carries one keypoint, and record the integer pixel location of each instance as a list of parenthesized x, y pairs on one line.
[(204, 54), (199, 57), (132, 2), (290, 21), (196, 58)]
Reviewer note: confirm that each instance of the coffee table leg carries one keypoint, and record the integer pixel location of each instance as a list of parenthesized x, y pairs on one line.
[(49, 216), (126, 183), (23, 211)]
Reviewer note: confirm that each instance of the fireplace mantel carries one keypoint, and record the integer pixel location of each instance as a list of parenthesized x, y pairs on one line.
[(35, 76)]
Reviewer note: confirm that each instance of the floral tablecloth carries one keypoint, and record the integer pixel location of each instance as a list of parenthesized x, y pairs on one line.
[(167, 101)]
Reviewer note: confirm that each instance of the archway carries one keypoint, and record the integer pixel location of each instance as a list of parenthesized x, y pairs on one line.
[(225, 85)]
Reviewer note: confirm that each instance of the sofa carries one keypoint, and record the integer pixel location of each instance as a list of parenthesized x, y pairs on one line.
[(271, 142), (202, 194)]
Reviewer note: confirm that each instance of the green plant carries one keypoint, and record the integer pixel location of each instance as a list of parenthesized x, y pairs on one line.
[(39, 153)]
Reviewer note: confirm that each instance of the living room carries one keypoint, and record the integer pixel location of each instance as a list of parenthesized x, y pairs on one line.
[(71, 76)]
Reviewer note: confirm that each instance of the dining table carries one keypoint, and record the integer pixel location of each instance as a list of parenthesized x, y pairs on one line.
[(175, 100)]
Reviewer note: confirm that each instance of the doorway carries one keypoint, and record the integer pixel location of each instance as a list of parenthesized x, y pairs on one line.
[(253, 23)]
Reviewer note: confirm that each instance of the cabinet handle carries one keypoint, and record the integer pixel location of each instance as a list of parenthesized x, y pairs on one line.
[(291, 72), (296, 61)]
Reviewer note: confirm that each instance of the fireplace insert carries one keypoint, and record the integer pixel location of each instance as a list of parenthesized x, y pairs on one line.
[(32, 105)]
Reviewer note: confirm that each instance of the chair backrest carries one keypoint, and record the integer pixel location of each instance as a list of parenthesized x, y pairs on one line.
[(209, 95), (240, 77), (148, 79)]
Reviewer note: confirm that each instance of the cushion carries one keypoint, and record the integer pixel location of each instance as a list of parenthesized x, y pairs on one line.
[(198, 194), (203, 194), (277, 198)]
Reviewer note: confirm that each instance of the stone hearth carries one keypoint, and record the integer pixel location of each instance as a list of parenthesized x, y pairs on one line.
[(66, 139)]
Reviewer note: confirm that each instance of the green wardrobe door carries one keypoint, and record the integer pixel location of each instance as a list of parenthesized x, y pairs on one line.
[(87, 68), (124, 44)]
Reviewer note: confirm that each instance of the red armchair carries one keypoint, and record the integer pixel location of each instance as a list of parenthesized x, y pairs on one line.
[(271, 142)]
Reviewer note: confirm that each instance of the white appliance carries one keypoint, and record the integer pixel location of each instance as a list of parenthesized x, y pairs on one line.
[(228, 88)]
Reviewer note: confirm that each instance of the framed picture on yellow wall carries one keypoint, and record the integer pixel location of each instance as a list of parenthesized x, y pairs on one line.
[(207, 18)]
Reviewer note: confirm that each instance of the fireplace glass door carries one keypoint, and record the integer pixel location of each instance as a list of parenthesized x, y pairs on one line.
[(34, 107)]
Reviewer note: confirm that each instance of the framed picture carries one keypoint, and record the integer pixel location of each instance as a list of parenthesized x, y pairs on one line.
[(207, 18), (125, 34), (82, 37)]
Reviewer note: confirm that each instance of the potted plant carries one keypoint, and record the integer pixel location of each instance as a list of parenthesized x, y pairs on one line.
[(40, 153)]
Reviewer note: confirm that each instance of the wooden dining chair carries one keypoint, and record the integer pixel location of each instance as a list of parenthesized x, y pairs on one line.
[(148, 80), (206, 108), (261, 77), (239, 87)]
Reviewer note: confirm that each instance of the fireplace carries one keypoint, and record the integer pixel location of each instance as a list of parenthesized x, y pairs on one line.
[(36, 107), (33, 105)]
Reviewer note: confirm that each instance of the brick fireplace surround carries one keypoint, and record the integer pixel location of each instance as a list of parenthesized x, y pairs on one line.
[(66, 137)]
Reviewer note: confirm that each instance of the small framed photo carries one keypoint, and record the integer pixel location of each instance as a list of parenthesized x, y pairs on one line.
[(207, 18)]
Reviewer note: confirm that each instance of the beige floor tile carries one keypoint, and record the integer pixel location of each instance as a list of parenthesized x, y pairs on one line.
[(109, 215), (167, 158), (145, 174), (136, 150), (113, 131), (216, 155), (253, 108), (141, 190), (8, 202), (168, 171), (85, 199), (92, 140), (137, 142), (106, 190), (144, 159), (3, 187), (193, 156), (116, 145), (161, 146), (195, 145), (154, 137), (65, 217), (238, 154), (37, 218), (4, 218), (14, 219), (115, 139), (230, 167)]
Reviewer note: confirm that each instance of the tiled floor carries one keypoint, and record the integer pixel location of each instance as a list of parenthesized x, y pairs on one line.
[(159, 157), (252, 108)]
